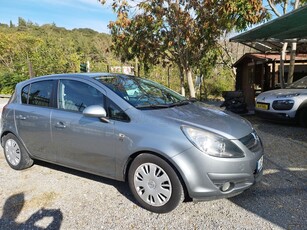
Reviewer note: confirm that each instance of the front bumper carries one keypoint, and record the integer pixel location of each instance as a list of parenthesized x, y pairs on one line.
[(279, 116), (205, 176)]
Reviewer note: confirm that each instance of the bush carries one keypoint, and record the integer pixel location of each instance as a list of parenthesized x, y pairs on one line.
[(8, 82), (214, 86)]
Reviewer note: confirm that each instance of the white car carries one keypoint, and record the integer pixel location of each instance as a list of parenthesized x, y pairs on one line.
[(289, 104)]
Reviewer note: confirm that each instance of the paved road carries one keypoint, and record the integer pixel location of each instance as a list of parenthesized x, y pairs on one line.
[(58, 198)]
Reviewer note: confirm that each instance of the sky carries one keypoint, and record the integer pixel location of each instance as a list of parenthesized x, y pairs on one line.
[(64, 13)]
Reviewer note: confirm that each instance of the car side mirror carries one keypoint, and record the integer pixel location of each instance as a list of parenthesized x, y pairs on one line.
[(96, 111)]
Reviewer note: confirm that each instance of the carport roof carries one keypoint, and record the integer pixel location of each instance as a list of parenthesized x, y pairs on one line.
[(271, 35)]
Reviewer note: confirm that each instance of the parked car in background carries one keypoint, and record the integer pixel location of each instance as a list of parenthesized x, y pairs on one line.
[(289, 104), (131, 129)]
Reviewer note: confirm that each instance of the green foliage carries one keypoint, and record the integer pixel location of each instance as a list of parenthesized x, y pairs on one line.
[(9, 80), (216, 82), (32, 50)]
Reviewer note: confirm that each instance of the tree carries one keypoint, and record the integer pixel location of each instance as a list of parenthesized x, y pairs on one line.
[(179, 32)]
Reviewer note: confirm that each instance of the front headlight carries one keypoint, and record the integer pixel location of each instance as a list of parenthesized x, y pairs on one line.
[(212, 144)]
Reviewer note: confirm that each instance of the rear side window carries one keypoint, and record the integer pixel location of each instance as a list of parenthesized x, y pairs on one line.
[(24, 94), (38, 93)]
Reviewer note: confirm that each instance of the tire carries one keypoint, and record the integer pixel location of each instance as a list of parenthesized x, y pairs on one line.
[(154, 184), (303, 117), (15, 153)]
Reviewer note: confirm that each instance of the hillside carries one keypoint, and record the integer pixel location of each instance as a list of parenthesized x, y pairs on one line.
[(28, 49)]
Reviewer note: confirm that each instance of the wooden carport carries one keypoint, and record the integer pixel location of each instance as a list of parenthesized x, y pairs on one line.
[(269, 39)]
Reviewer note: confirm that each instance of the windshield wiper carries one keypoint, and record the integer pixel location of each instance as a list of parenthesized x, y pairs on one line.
[(152, 106), (179, 103), (183, 102), (161, 106)]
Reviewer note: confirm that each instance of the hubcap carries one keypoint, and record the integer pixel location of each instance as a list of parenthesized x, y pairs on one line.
[(152, 184), (12, 152)]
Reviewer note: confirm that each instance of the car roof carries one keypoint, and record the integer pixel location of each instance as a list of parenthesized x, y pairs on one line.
[(91, 75), (74, 75)]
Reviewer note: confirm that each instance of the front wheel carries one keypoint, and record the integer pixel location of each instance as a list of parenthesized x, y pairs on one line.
[(154, 184), (303, 117), (15, 153)]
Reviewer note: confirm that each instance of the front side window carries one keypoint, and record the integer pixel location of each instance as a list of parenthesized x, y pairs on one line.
[(76, 95), (116, 113), (38, 93)]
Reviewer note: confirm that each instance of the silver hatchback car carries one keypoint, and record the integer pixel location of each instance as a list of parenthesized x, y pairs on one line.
[(289, 104), (131, 129)]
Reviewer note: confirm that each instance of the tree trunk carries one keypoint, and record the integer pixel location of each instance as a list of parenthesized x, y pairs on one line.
[(168, 77), (282, 65), (181, 81), (190, 82), (31, 72), (292, 63), (293, 53), (136, 65)]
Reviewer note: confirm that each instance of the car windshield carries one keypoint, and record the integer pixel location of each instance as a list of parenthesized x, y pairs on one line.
[(299, 84), (142, 93)]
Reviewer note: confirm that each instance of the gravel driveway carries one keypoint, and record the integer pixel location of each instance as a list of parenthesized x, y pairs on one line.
[(52, 197)]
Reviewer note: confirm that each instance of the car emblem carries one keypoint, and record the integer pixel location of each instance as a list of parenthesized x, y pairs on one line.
[(263, 98)]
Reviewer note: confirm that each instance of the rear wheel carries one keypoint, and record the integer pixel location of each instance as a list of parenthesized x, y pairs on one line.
[(15, 153), (303, 117), (154, 184)]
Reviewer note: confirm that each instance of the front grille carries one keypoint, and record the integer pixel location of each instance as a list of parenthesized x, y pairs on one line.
[(252, 142)]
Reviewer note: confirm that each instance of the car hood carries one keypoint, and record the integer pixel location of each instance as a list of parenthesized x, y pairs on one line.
[(198, 115), (281, 92)]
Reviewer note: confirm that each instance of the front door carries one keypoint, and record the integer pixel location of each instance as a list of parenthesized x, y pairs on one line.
[(84, 143)]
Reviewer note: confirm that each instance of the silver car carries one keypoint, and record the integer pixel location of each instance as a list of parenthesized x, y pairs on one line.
[(289, 104), (131, 129)]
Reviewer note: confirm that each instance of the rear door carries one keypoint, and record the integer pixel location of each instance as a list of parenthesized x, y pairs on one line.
[(84, 143), (33, 118)]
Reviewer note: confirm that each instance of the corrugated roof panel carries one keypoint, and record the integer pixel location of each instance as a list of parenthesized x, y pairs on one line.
[(272, 34)]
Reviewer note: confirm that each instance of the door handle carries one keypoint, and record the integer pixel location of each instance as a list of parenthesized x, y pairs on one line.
[(60, 125), (21, 117)]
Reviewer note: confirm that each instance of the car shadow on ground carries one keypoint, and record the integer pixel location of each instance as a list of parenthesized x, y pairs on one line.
[(13, 207), (122, 187)]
